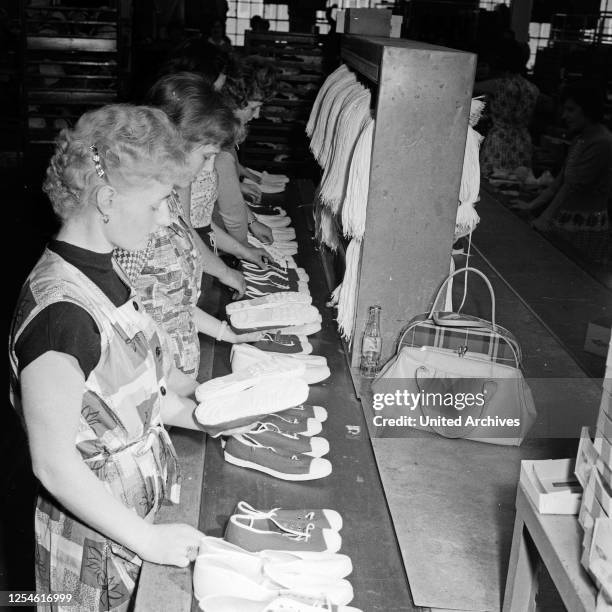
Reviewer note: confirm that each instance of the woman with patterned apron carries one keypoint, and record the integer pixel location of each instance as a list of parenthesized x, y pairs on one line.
[(90, 374), (167, 275)]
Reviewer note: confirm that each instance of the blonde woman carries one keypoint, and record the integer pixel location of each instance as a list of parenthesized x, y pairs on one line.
[(90, 372)]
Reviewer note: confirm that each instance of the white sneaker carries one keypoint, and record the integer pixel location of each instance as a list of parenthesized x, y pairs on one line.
[(282, 297), (228, 412), (330, 565), (284, 234), (273, 220), (246, 378), (289, 602), (307, 329), (286, 247), (218, 576), (275, 316), (244, 356)]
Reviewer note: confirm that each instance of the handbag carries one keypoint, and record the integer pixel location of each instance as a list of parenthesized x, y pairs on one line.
[(456, 375)]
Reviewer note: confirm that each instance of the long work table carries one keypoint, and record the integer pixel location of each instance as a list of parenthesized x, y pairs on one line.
[(211, 487)]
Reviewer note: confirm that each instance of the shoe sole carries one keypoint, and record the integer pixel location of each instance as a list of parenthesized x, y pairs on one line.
[(239, 381), (275, 316), (283, 297), (280, 475)]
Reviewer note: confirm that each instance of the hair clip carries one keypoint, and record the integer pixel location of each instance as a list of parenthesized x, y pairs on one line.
[(96, 160)]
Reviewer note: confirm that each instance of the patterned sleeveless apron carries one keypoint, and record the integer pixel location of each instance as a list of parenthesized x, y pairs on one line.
[(121, 438)]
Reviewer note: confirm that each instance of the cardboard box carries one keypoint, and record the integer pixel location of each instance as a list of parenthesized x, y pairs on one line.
[(598, 336), (370, 22), (586, 457), (551, 485)]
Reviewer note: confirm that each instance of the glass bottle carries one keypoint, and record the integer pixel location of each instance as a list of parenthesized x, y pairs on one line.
[(371, 345)]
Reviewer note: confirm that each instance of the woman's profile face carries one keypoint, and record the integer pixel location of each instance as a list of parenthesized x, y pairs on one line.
[(202, 158), (249, 112), (574, 116), (138, 212)]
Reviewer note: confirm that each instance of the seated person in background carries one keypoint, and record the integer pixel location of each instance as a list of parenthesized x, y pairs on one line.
[(217, 36), (575, 206), (512, 101)]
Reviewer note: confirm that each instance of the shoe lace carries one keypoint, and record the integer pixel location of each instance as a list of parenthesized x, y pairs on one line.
[(296, 534)]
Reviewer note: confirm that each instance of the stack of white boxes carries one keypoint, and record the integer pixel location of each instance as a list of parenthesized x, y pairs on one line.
[(594, 471)]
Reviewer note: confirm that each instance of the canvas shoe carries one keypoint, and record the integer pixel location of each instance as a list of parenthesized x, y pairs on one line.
[(285, 443), (273, 221), (275, 316), (244, 355), (243, 408), (255, 534), (285, 344), (330, 565), (292, 424), (241, 451), (282, 297), (247, 377), (294, 519), (284, 234), (292, 274), (277, 255), (307, 329), (266, 210), (289, 602), (266, 177), (253, 291), (286, 247), (217, 576), (306, 411)]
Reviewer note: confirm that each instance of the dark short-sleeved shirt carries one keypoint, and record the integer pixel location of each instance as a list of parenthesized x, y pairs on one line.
[(65, 327)]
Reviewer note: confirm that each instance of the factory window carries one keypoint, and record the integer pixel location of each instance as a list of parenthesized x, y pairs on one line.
[(240, 12)]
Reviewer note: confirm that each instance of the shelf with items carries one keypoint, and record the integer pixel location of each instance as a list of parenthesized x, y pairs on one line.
[(421, 96), (74, 58), (298, 58)]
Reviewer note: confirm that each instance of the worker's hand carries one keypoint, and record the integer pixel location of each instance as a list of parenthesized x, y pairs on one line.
[(261, 231), (170, 544), (234, 279), (250, 337), (251, 192), (256, 256)]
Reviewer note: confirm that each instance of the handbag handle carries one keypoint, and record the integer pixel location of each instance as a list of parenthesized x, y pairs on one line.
[(460, 271)]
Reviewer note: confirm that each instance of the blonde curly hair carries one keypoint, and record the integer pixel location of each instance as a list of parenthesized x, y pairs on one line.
[(136, 144)]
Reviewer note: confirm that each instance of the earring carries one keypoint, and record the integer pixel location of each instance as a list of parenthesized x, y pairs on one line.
[(105, 217)]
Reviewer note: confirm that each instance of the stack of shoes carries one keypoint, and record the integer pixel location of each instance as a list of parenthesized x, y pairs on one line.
[(268, 211), (239, 399), (273, 221), (303, 419), (283, 444), (286, 344), (279, 454), (284, 259), (244, 356), (298, 319), (266, 571)]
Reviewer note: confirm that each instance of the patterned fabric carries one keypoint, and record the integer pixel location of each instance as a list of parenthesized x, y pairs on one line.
[(203, 198), (132, 262), (581, 203), (169, 286), (499, 346), (508, 143), (121, 438)]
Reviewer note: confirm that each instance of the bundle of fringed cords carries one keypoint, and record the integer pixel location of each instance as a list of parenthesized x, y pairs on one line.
[(341, 129)]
